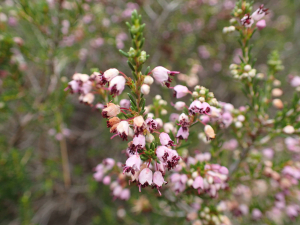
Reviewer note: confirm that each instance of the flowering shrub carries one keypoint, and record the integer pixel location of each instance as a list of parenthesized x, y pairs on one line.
[(157, 153)]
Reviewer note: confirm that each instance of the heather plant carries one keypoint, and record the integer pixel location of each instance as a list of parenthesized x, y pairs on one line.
[(160, 152)]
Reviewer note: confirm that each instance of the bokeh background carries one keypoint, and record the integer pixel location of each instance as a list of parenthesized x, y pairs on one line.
[(43, 43)]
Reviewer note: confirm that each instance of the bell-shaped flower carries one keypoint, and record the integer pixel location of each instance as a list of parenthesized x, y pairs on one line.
[(260, 13), (180, 91), (198, 183), (151, 124), (133, 163), (195, 107), (108, 75), (123, 129), (145, 177), (169, 157), (88, 98), (117, 85), (158, 179), (139, 125), (183, 133), (165, 139), (111, 110), (161, 75), (137, 144), (247, 21), (184, 120), (205, 108)]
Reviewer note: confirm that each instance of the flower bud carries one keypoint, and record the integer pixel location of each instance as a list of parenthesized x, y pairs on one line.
[(145, 89), (179, 105), (276, 92), (149, 138), (289, 129), (209, 132), (247, 68), (148, 80), (277, 103)]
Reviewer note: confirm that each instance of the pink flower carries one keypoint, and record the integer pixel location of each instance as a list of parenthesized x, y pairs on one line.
[(247, 21), (98, 176), (184, 120), (268, 153), (261, 24), (145, 177), (180, 91), (256, 214), (88, 98), (295, 81), (109, 163), (223, 170), (117, 85), (179, 105), (165, 139), (167, 156), (260, 13), (151, 124), (198, 183), (123, 129), (139, 125), (125, 194), (125, 103), (195, 107), (133, 163), (158, 180), (205, 108), (106, 180), (183, 133), (138, 143), (108, 75), (111, 110), (161, 75), (227, 119)]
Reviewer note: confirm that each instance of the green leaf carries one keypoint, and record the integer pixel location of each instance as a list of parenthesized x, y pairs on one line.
[(123, 53)]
